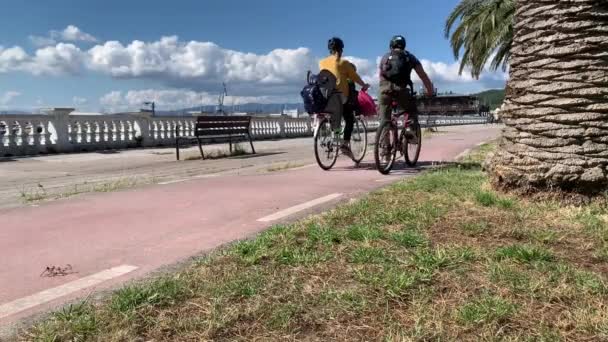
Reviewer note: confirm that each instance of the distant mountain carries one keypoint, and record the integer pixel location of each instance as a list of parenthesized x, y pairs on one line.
[(492, 98), (10, 111), (261, 108)]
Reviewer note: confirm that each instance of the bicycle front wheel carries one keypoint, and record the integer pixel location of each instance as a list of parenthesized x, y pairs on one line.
[(326, 148), (385, 150), (413, 143), (358, 140)]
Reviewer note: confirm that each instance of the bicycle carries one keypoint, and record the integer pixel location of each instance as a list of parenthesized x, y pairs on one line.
[(389, 141), (327, 142)]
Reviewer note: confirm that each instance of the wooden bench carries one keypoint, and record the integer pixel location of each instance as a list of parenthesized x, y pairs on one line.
[(213, 127)]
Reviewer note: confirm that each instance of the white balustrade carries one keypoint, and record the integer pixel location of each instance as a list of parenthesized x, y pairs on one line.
[(103, 132), (58, 131), (26, 134)]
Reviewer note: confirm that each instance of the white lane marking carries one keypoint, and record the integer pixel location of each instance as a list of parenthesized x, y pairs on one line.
[(173, 181), (463, 154), (385, 180), (468, 150), (187, 179), (290, 211), (48, 295), (210, 175)]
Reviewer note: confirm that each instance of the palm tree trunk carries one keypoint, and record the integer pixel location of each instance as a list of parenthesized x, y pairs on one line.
[(556, 106)]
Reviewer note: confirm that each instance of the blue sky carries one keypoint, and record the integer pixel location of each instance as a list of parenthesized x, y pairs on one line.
[(111, 55)]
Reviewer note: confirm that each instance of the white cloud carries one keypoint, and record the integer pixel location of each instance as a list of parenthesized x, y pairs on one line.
[(42, 41), (200, 65), (112, 99), (70, 34), (12, 59), (445, 77), (8, 97), (57, 60), (73, 34), (51, 60), (79, 101), (445, 72)]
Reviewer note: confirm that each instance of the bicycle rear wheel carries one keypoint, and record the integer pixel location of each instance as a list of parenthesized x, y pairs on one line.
[(413, 145), (326, 147), (385, 150), (358, 140)]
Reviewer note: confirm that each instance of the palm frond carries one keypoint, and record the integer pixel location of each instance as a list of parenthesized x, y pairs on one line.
[(481, 30)]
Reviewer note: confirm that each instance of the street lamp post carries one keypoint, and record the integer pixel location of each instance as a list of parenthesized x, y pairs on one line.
[(152, 104)]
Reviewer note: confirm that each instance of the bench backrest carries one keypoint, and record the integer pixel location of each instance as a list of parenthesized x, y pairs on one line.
[(222, 125)]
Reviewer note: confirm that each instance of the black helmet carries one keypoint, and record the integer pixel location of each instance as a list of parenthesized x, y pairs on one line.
[(335, 45), (398, 42)]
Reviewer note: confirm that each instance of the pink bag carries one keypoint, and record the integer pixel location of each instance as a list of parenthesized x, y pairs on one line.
[(367, 106)]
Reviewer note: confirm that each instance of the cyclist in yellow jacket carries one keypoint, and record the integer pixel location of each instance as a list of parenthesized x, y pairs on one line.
[(344, 71)]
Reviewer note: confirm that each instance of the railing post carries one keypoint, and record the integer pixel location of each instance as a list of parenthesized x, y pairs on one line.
[(253, 128), (143, 120), (282, 130), (61, 119)]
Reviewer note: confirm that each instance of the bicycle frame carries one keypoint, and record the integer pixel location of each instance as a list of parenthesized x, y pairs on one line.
[(404, 137), (395, 115), (317, 118)]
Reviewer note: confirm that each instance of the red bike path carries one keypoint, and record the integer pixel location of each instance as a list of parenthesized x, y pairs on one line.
[(113, 237)]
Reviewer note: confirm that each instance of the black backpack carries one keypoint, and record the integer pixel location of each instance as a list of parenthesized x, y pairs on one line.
[(316, 93), (397, 68)]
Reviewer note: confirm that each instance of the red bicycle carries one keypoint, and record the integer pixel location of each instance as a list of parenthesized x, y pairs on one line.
[(389, 141)]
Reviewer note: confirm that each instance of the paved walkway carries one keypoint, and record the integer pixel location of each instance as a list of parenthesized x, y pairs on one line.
[(111, 237), (62, 175)]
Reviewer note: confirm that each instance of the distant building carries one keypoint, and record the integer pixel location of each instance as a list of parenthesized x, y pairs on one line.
[(291, 112), (449, 105)]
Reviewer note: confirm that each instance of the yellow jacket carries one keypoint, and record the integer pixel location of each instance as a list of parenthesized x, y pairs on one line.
[(343, 70)]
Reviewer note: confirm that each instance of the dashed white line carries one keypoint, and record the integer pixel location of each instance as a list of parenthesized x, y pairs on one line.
[(210, 175), (290, 211), (464, 153), (46, 296), (174, 181)]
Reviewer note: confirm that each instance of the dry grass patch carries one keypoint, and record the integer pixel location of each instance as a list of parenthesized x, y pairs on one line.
[(238, 150), (284, 166), (40, 193)]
